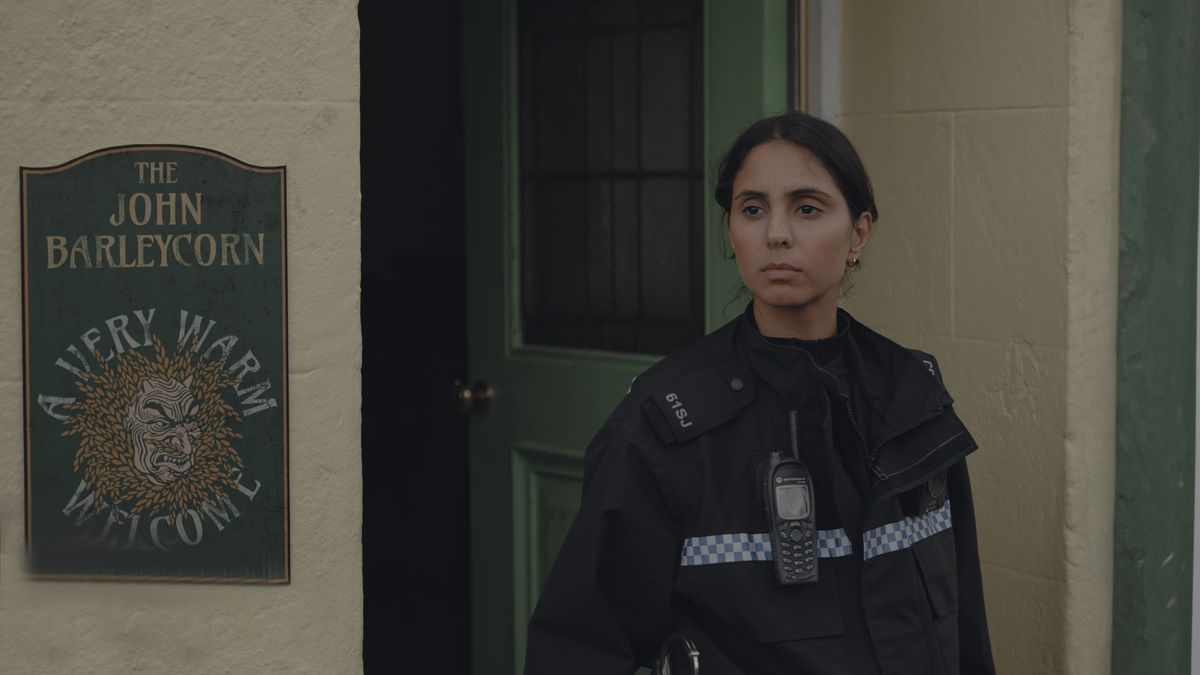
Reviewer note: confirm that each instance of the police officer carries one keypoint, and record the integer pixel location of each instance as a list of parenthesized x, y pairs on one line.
[(680, 533)]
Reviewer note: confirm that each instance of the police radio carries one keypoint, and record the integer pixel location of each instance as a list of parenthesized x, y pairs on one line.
[(788, 494)]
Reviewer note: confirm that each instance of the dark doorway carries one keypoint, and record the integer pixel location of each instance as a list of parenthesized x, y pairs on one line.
[(414, 446)]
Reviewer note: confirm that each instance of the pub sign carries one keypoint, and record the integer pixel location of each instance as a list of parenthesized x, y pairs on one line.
[(155, 367)]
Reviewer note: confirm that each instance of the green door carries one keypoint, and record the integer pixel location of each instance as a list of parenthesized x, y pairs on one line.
[(557, 366)]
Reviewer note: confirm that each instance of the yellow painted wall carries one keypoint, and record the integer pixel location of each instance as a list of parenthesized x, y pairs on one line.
[(269, 83), (990, 133)]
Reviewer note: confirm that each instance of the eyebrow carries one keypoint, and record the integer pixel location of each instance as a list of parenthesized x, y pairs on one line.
[(152, 407), (798, 192)]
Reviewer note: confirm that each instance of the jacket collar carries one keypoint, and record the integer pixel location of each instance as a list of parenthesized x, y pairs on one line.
[(900, 391), (790, 366)]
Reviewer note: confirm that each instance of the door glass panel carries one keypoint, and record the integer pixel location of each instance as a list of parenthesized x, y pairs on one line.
[(612, 174)]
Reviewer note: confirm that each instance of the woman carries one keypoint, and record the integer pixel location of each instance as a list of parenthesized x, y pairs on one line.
[(779, 493)]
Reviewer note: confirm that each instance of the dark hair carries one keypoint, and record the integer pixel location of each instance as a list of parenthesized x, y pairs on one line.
[(820, 138)]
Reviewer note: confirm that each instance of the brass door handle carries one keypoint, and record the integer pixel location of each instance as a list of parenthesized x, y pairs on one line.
[(477, 398)]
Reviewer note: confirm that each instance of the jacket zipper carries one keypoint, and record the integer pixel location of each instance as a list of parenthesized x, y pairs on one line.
[(874, 456), (850, 413)]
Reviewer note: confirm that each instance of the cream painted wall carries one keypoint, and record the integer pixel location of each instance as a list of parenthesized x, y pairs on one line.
[(270, 83), (990, 130)]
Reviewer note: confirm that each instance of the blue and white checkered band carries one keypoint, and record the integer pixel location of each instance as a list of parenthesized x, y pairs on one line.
[(889, 538), (729, 548), (900, 535)]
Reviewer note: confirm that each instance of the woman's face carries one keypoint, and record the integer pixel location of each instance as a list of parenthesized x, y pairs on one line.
[(791, 230)]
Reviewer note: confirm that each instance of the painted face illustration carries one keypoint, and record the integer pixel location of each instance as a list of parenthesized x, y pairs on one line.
[(161, 425)]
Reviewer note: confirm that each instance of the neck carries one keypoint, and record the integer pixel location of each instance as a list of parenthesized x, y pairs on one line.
[(807, 322)]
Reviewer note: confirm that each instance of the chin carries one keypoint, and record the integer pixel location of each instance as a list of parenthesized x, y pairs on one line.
[(789, 297), (783, 297)]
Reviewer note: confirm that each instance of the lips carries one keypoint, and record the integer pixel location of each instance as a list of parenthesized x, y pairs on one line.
[(780, 272), (178, 463)]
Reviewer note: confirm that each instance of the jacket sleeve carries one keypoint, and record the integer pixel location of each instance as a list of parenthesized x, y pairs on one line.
[(606, 605), (975, 647)]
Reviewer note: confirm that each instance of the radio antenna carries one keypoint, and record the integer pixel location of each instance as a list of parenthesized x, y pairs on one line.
[(794, 419)]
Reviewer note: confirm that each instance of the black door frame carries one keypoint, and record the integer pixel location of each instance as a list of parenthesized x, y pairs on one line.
[(415, 537)]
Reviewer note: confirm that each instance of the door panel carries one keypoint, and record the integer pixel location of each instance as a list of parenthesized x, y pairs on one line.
[(546, 490), (527, 448)]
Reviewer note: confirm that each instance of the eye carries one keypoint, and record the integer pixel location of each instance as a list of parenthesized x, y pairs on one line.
[(808, 209), (752, 210), (160, 425)]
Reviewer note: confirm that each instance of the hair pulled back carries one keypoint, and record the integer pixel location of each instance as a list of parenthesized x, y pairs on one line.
[(819, 137)]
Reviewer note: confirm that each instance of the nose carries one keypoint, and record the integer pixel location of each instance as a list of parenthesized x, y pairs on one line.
[(181, 441), (779, 235)]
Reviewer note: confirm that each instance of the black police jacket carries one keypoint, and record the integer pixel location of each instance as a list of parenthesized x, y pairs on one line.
[(672, 532)]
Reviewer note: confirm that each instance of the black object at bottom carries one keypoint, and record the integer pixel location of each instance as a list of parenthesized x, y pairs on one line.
[(678, 656)]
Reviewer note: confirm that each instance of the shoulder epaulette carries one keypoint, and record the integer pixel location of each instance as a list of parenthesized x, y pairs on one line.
[(697, 401)]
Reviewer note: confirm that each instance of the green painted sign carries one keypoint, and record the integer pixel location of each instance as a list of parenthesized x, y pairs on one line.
[(155, 362)]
